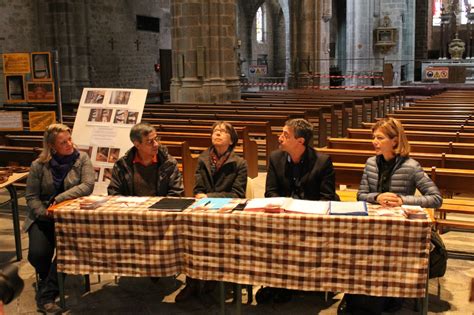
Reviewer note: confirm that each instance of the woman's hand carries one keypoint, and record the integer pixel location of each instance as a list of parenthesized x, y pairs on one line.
[(389, 199)]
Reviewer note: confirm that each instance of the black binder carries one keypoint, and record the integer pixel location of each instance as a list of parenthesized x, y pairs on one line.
[(172, 204)]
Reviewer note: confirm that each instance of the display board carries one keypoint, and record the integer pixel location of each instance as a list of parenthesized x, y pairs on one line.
[(102, 127)]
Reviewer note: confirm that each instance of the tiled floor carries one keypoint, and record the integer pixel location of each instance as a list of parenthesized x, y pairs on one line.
[(142, 296)]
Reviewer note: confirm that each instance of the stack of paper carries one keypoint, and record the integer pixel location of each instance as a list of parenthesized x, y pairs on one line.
[(92, 202), (274, 204), (307, 206), (348, 208)]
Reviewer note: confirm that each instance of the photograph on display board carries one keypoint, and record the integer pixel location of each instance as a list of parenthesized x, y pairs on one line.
[(100, 115), (107, 174), (120, 97), (41, 92), (95, 97), (120, 116), (41, 66), (106, 115), (114, 154), (15, 88), (132, 118), (102, 154)]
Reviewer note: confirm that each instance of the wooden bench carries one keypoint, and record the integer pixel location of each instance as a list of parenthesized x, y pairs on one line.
[(416, 146), (416, 135)]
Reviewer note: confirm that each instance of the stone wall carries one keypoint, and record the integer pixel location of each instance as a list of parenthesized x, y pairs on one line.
[(19, 31), (97, 41)]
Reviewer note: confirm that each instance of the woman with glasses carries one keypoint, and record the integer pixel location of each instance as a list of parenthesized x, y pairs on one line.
[(220, 173), (60, 173), (146, 169)]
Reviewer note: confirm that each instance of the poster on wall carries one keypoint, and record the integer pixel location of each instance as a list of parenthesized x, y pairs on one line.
[(11, 121), (40, 120), (102, 127), (16, 63), (41, 66)]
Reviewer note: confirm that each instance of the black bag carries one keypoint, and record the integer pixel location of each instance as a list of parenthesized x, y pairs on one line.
[(438, 256)]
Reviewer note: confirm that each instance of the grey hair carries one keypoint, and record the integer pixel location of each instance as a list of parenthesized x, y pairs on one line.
[(49, 138), (302, 129), (139, 130)]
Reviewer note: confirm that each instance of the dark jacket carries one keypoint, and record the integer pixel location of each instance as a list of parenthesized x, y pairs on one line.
[(407, 176), (318, 181), (230, 181), (78, 182), (169, 179)]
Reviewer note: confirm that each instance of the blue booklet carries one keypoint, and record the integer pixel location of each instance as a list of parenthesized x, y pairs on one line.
[(211, 203), (348, 208)]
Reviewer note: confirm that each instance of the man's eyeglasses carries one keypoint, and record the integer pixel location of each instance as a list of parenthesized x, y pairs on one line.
[(152, 141)]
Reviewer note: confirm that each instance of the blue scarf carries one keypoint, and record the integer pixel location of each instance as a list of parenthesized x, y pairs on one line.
[(60, 166)]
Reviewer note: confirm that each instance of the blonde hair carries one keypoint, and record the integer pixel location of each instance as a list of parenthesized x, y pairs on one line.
[(393, 129), (49, 138)]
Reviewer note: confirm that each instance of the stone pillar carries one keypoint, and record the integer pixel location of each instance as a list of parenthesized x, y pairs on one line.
[(310, 42), (204, 59), (66, 22)]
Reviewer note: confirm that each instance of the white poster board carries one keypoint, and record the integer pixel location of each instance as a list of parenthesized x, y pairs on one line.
[(102, 127)]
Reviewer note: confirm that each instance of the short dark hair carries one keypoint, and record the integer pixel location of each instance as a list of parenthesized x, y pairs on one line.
[(302, 129), (139, 130), (230, 130)]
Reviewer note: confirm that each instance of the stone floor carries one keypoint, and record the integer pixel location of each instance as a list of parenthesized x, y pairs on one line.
[(142, 296)]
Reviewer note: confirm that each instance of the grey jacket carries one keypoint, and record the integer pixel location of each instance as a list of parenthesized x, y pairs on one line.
[(407, 176), (39, 186)]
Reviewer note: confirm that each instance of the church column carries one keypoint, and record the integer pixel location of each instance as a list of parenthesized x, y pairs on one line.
[(359, 38), (66, 23), (204, 58), (310, 41)]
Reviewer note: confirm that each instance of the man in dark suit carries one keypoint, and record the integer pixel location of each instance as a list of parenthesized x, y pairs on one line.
[(296, 170)]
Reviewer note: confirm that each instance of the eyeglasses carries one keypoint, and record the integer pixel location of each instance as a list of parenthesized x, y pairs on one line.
[(221, 130), (152, 141)]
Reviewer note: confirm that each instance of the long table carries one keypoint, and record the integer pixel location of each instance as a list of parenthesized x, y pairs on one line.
[(371, 255)]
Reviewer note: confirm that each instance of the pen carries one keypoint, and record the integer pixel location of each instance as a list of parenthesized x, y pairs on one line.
[(206, 203)]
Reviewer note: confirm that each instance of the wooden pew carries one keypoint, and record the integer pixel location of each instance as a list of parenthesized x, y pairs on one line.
[(449, 180), (425, 159), (415, 135), (459, 206), (431, 127), (16, 155), (416, 146)]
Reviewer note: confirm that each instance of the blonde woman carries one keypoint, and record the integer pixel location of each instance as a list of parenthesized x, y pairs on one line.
[(60, 173)]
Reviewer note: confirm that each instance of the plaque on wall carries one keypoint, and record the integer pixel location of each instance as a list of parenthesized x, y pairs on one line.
[(11, 121), (15, 88), (40, 92), (40, 120), (41, 66), (16, 63)]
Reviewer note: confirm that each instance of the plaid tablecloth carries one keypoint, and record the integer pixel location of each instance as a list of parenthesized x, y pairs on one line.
[(365, 255)]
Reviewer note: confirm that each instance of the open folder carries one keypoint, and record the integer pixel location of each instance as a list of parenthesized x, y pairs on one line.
[(172, 204)]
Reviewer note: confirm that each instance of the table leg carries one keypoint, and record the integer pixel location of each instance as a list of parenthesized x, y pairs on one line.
[(238, 299), (87, 284), (62, 300), (222, 296), (16, 220)]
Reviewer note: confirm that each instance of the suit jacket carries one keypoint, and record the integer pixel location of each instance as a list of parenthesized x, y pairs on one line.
[(78, 182), (318, 181), (230, 181), (169, 179)]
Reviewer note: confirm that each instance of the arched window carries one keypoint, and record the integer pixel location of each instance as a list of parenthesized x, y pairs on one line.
[(260, 24)]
